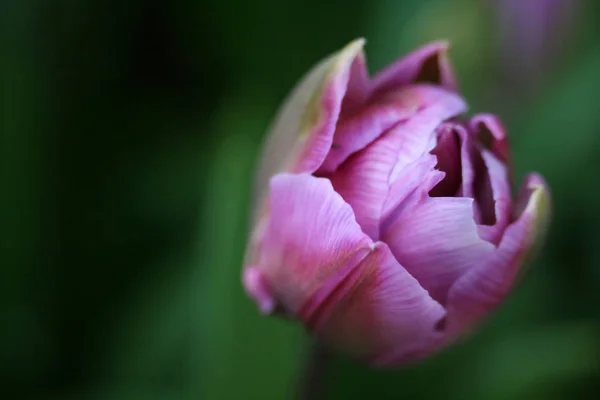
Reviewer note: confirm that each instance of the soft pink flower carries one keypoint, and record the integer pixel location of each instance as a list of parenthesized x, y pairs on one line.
[(386, 223)]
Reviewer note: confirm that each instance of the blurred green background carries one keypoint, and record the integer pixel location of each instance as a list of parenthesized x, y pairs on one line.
[(129, 134)]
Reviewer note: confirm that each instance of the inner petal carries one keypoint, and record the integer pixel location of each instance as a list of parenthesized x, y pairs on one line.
[(447, 153), (356, 131), (435, 239), (474, 181), (482, 190)]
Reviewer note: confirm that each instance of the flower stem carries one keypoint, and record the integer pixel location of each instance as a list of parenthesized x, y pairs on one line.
[(313, 381)]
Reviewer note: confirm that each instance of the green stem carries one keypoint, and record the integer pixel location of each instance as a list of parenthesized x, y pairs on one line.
[(313, 381)]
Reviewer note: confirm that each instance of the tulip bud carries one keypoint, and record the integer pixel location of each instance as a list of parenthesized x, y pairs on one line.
[(386, 223)]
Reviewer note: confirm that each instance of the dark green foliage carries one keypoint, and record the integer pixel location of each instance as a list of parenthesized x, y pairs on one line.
[(128, 135)]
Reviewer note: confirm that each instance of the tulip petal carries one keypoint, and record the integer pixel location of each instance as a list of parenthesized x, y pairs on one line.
[(356, 131), (302, 133), (447, 152), (419, 132), (489, 130), (482, 288), (364, 179), (427, 64), (257, 288), (435, 239), (420, 173), (383, 315), (467, 147), (472, 167), (501, 193), (310, 235)]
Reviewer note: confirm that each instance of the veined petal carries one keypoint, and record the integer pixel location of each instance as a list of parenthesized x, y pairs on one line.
[(419, 132), (363, 181), (356, 131), (467, 147), (310, 235), (481, 289), (447, 152), (501, 193), (435, 239), (495, 186), (365, 178), (489, 130), (419, 174), (428, 64), (302, 133), (383, 315)]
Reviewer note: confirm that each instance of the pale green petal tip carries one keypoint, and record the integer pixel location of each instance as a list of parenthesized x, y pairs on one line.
[(336, 64), (540, 209), (539, 206), (349, 52)]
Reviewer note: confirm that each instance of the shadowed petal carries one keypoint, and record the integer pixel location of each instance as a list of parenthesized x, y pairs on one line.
[(491, 186), (417, 175), (310, 235), (419, 132), (428, 64), (447, 152), (489, 131), (428, 102), (480, 290), (302, 133), (501, 193), (381, 315), (435, 239), (467, 147), (364, 180)]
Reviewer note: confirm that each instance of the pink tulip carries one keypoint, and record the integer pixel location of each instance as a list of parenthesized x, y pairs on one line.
[(387, 225)]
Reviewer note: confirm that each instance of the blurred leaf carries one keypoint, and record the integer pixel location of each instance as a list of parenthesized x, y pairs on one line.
[(514, 366), (562, 128), (243, 355)]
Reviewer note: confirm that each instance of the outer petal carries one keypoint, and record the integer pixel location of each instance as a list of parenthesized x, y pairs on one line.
[(480, 290), (435, 239), (364, 180), (428, 64), (302, 133), (383, 316), (310, 236)]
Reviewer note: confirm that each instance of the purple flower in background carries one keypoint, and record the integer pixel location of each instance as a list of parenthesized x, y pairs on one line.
[(387, 224), (532, 34)]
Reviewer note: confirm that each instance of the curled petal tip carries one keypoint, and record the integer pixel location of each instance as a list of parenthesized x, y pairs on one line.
[(539, 205), (441, 44), (534, 198), (490, 132), (428, 64), (356, 43), (257, 288)]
